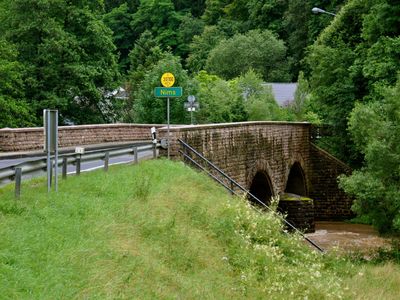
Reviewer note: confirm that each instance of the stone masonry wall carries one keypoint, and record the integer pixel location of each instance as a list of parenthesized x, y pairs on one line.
[(300, 213), (243, 149), (28, 139), (330, 201)]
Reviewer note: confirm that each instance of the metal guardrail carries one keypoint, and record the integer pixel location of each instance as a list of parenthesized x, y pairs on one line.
[(230, 184), (16, 171)]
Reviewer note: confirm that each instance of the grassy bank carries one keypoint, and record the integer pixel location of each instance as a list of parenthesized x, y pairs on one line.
[(157, 230)]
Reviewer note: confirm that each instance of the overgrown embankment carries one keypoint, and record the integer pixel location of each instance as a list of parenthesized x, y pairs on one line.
[(157, 230)]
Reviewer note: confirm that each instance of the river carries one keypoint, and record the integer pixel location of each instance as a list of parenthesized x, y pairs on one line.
[(347, 237)]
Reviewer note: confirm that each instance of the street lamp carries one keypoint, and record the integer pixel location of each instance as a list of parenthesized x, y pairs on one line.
[(317, 10)]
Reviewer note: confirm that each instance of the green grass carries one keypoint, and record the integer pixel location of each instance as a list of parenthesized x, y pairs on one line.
[(157, 230), (376, 282)]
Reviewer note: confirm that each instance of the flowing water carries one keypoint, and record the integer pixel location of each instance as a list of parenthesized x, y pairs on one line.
[(347, 237)]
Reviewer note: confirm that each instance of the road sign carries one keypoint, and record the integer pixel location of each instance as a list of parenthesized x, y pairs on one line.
[(50, 125), (167, 80), (190, 105), (50, 121), (168, 92)]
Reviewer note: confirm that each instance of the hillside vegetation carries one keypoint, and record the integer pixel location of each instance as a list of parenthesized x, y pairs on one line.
[(159, 230)]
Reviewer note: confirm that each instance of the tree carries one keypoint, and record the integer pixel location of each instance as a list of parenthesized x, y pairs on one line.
[(14, 111), (220, 100), (295, 24), (188, 28), (160, 18), (267, 14), (195, 7), (258, 99), (119, 20), (201, 47), (148, 108), (145, 54), (67, 53), (352, 59), (301, 109), (376, 187), (336, 79), (109, 5), (237, 55), (214, 11), (237, 10), (240, 99)]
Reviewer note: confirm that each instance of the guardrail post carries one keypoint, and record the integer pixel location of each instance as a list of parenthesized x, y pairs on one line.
[(78, 166), (106, 160), (135, 155), (18, 177), (154, 150), (64, 167)]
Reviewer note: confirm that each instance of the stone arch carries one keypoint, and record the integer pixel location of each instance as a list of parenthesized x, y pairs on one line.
[(296, 182), (261, 187), (259, 181), (261, 165)]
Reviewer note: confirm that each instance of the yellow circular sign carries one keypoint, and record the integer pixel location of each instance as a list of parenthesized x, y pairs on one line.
[(167, 79)]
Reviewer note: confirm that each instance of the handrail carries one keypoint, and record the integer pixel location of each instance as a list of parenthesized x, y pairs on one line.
[(232, 181)]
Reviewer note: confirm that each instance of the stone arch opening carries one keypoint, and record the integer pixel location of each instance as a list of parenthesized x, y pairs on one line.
[(296, 183), (261, 187)]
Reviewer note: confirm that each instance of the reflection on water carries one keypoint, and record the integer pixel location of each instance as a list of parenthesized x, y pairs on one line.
[(347, 237)]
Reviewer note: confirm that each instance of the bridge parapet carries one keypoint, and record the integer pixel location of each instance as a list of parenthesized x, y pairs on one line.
[(30, 139)]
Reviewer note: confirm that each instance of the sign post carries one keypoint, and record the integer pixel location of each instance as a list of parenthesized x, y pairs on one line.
[(167, 91), (50, 120), (191, 106)]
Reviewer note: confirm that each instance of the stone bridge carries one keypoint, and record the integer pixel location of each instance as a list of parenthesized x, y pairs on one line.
[(271, 158), (268, 158)]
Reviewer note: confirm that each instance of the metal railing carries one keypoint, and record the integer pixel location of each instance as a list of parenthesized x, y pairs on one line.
[(230, 184), (37, 166)]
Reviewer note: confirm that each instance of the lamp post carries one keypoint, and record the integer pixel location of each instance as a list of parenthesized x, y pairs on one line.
[(317, 10)]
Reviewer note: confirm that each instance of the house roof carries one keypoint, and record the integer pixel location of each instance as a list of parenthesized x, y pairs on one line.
[(283, 92), (119, 93)]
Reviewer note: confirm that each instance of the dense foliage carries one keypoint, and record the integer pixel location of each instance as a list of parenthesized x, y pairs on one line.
[(258, 50), (14, 111), (354, 66), (69, 55), (375, 127), (66, 52), (352, 59)]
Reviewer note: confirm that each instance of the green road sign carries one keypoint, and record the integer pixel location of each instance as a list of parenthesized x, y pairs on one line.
[(168, 92)]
